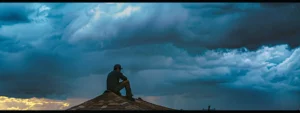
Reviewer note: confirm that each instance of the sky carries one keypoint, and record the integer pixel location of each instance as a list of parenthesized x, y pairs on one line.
[(232, 56)]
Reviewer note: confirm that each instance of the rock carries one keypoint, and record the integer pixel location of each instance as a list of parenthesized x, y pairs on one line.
[(113, 104), (101, 101), (123, 103), (99, 104), (118, 99), (130, 107), (110, 101), (103, 107), (138, 101)]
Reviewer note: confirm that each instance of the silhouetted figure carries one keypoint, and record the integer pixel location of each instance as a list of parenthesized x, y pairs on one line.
[(115, 86), (209, 108)]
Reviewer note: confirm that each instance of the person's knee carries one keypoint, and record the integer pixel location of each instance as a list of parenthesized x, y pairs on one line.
[(126, 81)]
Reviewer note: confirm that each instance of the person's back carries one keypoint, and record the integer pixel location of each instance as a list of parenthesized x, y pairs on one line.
[(114, 85), (113, 79)]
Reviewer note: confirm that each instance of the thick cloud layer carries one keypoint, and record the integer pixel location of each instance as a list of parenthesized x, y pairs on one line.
[(232, 56)]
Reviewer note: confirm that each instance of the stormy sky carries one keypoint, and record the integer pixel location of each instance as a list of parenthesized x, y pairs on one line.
[(180, 55)]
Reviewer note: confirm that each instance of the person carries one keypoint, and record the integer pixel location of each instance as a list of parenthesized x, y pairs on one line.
[(115, 86)]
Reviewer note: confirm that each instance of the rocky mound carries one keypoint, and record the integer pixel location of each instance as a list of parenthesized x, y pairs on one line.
[(110, 101)]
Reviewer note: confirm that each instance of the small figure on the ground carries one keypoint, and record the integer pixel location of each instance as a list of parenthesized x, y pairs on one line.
[(115, 86), (209, 108)]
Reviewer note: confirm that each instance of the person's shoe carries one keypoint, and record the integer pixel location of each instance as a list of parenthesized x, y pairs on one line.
[(130, 98), (118, 93), (106, 91)]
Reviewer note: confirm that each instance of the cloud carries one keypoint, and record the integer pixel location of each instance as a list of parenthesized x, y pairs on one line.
[(13, 14), (198, 25), (233, 75), (7, 103), (277, 26), (192, 53)]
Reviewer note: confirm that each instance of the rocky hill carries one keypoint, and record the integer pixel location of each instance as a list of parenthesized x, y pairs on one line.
[(111, 101)]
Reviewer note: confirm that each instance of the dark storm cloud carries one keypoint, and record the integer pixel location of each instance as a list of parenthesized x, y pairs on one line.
[(198, 26), (66, 51), (276, 5), (277, 24), (244, 25), (13, 14), (34, 73)]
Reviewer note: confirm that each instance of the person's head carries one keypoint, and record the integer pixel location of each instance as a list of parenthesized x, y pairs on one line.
[(118, 67)]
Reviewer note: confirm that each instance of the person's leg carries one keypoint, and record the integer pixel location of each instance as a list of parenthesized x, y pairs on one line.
[(118, 93), (118, 89), (127, 88)]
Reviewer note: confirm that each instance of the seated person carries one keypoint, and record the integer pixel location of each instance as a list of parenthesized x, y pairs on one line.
[(115, 86)]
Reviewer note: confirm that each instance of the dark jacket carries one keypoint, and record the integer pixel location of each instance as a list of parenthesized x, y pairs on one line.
[(113, 79)]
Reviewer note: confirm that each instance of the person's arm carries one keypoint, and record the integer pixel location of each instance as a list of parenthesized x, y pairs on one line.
[(123, 77)]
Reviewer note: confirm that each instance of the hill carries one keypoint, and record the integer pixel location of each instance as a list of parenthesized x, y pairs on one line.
[(110, 101)]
